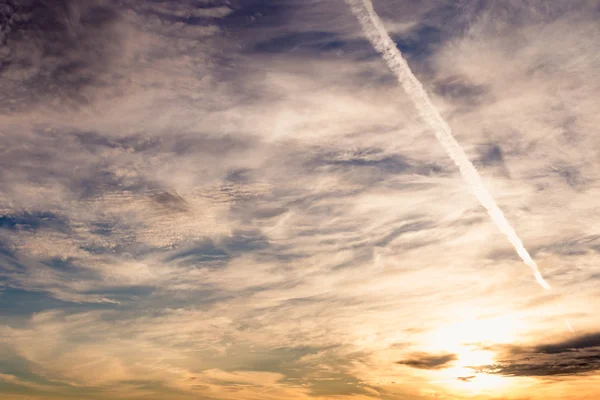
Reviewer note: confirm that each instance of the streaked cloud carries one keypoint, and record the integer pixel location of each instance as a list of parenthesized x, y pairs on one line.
[(426, 361), (577, 355)]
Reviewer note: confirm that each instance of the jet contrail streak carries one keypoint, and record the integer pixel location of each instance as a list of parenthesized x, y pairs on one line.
[(381, 41)]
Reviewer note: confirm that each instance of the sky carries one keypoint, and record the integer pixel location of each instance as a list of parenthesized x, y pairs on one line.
[(236, 199)]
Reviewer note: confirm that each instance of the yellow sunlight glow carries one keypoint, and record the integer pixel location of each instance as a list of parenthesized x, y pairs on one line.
[(469, 339)]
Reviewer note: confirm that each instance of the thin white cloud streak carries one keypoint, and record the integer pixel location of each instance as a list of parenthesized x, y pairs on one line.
[(381, 41)]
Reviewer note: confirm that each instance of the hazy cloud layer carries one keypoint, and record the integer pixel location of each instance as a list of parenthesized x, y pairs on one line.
[(236, 200)]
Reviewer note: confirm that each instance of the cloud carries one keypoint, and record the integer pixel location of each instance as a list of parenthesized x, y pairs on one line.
[(429, 361), (573, 356), (577, 343), (14, 380), (56, 46)]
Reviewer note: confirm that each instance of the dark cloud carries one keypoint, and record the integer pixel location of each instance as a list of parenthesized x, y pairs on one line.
[(45, 161), (420, 41), (576, 343), (406, 228), (96, 161), (572, 246), (192, 12), (239, 175), (577, 355), (22, 302), (55, 48), (571, 175), (208, 144), (370, 165), (437, 23), (542, 367), (568, 246), (59, 277), (95, 142), (492, 155), (32, 221), (170, 201), (457, 16), (459, 92), (428, 361), (71, 53), (252, 14), (214, 252), (301, 41)]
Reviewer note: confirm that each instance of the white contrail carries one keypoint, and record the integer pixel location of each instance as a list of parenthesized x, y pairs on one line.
[(381, 41)]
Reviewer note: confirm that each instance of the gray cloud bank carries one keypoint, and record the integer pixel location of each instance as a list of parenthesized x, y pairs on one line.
[(574, 356)]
